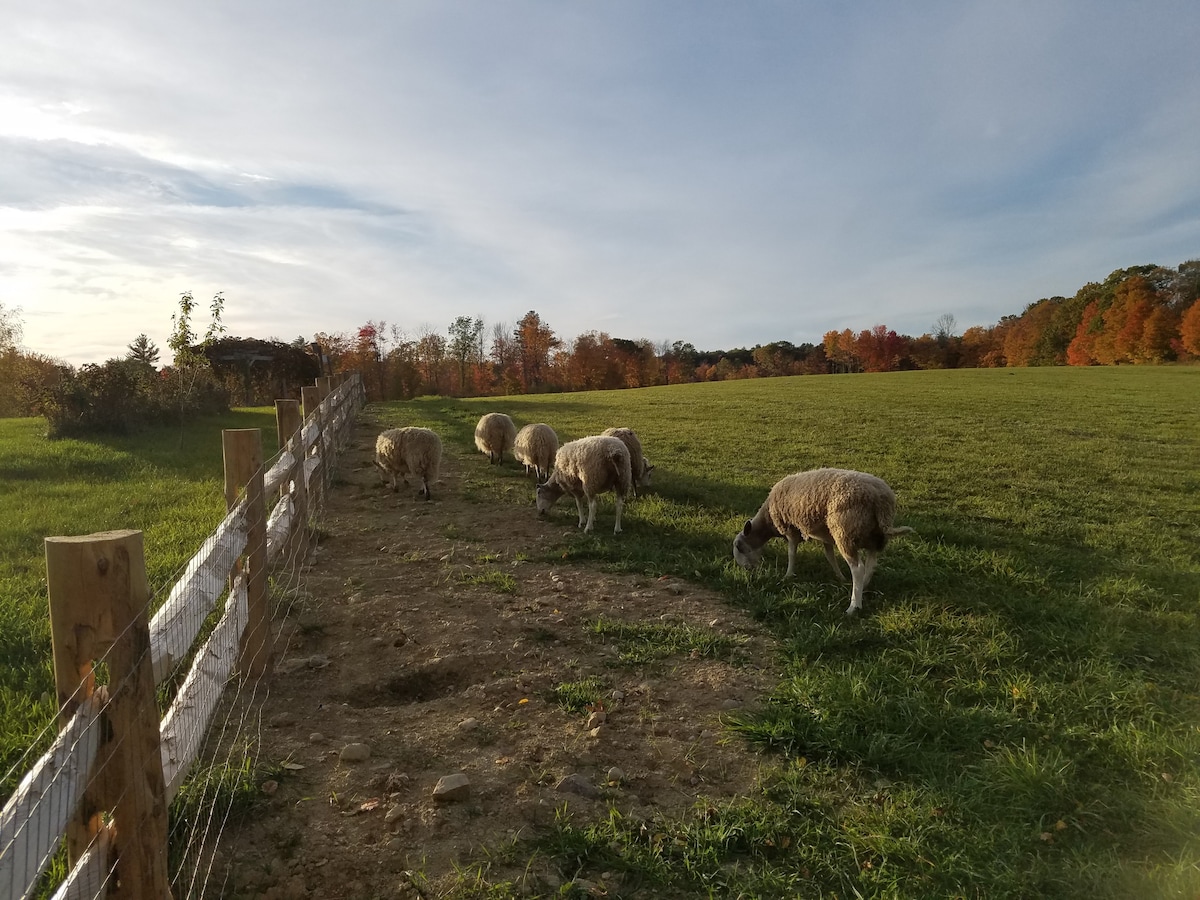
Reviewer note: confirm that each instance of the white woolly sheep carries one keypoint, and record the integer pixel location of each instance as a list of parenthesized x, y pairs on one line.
[(494, 434), (587, 468), (850, 510), (639, 465), (536, 446), (409, 451)]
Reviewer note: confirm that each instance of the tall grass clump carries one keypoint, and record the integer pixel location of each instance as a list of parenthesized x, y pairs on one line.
[(1015, 714)]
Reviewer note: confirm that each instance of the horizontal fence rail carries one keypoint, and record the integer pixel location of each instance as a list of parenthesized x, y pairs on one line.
[(65, 792)]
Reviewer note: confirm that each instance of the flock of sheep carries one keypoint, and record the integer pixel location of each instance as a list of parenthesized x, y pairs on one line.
[(849, 511)]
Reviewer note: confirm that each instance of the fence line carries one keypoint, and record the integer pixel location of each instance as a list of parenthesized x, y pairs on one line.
[(106, 763)]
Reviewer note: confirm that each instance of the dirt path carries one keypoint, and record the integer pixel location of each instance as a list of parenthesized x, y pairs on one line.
[(431, 634)]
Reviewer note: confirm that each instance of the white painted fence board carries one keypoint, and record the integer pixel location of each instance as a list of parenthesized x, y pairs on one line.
[(308, 436), (279, 527), (36, 815), (182, 730), (177, 622), (279, 474), (89, 878)]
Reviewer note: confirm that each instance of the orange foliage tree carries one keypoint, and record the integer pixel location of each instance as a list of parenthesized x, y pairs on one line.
[(534, 342), (1189, 330)]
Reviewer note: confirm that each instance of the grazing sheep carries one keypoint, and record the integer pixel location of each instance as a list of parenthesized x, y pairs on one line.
[(639, 465), (850, 510), (409, 451), (587, 468), (536, 446), (494, 434)]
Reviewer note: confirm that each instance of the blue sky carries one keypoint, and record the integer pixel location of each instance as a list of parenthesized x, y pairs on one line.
[(720, 173)]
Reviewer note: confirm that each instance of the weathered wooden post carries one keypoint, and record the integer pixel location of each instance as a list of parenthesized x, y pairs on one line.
[(242, 449), (325, 386), (99, 609), (289, 423)]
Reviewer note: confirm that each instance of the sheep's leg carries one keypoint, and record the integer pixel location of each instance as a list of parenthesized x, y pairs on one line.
[(591, 514), (861, 569), (872, 559), (425, 489), (620, 505), (793, 541), (832, 557), (579, 509)]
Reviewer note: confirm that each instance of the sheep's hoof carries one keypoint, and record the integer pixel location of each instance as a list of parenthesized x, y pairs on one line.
[(852, 610)]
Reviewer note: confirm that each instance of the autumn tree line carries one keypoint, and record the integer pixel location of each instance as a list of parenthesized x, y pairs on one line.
[(1145, 314), (1141, 315)]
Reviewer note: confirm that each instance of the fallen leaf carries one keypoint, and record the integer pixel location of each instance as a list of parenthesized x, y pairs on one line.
[(522, 701), (291, 766), (1047, 837), (1060, 825)]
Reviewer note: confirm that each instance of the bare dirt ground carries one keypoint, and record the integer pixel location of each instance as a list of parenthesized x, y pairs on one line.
[(431, 633)]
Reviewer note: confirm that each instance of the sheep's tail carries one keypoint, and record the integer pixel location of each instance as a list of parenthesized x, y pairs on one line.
[(624, 474)]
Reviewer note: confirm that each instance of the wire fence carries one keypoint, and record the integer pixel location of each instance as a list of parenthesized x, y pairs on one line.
[(129, 795)]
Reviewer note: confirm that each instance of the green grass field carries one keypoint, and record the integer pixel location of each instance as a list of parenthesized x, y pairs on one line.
[(167, 483), (1017, 714)]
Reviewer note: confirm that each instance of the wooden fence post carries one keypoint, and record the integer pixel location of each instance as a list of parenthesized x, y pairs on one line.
[(99, 608), (289, 422), (325, 386), (242, 449)]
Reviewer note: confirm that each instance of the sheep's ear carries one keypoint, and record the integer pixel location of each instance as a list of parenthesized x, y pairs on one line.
[(749, 526)]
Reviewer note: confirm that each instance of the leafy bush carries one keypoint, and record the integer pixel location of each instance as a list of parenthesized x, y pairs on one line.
[(122, 395)]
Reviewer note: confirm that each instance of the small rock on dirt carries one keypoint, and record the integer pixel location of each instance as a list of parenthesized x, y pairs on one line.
[(282, 720), (615, 775), (452, 787), (577, 784), (353, 753)]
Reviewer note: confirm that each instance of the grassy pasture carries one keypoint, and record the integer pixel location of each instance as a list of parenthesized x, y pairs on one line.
[(167, 483), (1018, 712)]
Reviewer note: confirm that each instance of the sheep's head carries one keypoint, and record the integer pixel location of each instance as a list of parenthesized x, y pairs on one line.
[(745, 553), (547, 495), (644, 477)]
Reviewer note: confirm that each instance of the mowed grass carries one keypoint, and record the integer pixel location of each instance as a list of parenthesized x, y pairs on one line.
[(1017, 714), (166, 482)]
